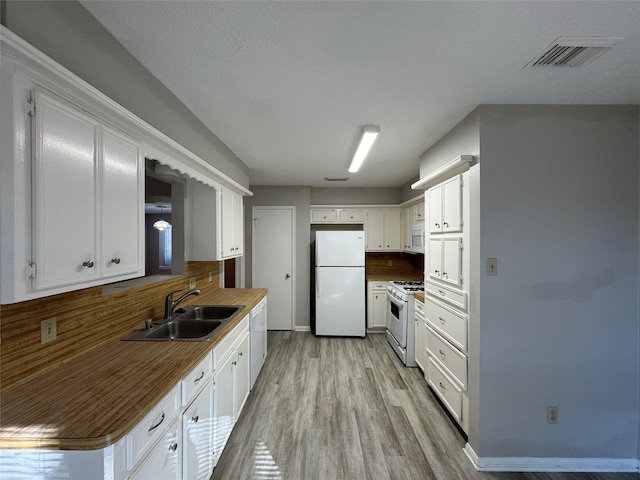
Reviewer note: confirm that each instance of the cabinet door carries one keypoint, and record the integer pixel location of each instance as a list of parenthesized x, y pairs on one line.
[(379, 302), (65, 186), (392, 229), (435, 209), (419, 212), (324, 215), (197, 437), (258, 340), (238, 224), (122, 205), (451, 204), (374, 230), (435, 258), (223, 405), (242, 375), (163, 463), (351, 215), (452, 261), (227, 240)]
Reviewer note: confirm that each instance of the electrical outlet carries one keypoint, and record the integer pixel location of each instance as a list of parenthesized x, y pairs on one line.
[(390, 263), (210, 276), (192, 283), (552, 415), (48, 330), (492, 266)]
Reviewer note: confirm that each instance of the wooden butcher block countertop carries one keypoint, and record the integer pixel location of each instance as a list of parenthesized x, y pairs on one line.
[(94, 399)]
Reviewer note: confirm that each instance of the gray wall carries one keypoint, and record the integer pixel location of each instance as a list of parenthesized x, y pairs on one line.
[(559, 324), (68, 33), (285, 196), (355, 196)]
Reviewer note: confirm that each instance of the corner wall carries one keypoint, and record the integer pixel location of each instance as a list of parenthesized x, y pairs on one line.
[(559, 324)]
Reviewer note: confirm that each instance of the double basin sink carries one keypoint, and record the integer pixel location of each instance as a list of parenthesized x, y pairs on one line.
[(194, 323)]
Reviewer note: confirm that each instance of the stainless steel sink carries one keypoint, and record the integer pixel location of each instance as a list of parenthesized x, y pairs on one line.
[(203, 312), (194, 323), (184, 330)]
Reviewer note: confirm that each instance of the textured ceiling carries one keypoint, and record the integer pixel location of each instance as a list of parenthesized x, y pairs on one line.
[(288, 86)]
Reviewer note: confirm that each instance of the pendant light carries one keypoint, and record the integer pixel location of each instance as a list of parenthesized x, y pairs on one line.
[(161, 225)]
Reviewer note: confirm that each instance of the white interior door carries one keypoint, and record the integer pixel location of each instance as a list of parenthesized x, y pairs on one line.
[(273, 262)]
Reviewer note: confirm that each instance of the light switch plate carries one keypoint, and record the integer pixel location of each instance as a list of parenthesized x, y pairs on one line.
[(492, 266), (48, 330), (192, 283)]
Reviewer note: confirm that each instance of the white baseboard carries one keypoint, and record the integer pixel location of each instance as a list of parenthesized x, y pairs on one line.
[(550, 464), (302, 329)]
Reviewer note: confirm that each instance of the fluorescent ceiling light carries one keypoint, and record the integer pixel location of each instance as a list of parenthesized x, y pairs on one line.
[(369, 135)]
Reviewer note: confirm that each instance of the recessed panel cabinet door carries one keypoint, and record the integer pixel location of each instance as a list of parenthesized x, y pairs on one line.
[(163, 463), (122, 206), (435, 258), (223, 405), (452, 261), (451, 204), (65, 198), (197, 437), (435, 209), (242, 374)]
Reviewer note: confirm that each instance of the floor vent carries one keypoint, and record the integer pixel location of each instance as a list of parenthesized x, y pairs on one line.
[(573, 51), (336, 179)]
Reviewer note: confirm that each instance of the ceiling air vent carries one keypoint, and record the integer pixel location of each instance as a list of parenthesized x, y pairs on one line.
[(336, 179), (573, 51)]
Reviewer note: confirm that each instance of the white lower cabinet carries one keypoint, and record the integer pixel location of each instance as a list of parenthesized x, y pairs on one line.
[(420, 336), (163, 463), (376, 304), (197, 436), (223, 411)]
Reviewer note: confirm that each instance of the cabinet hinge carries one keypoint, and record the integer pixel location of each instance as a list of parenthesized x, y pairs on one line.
[(32, 270), (460, 243), (30, 107), (461, 223)]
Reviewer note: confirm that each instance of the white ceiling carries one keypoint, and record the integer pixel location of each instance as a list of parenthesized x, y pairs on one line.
[(288, 86)]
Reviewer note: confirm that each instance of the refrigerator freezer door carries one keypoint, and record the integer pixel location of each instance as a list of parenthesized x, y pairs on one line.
[(340, 301), (340, 248)]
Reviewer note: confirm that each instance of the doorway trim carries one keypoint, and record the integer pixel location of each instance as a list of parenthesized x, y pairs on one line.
[(292, 209)]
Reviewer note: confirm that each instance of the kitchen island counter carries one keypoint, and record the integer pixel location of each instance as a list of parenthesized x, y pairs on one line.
[(95, 398)]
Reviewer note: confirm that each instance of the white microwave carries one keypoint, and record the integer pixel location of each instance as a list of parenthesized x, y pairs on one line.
[(417, 237)]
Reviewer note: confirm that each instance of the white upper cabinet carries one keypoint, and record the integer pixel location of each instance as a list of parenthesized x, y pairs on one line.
[(337, 215), (65, 193), (383, 231), (216, 223), (87, 199), (122, 205), (445, 206), (445, 259)]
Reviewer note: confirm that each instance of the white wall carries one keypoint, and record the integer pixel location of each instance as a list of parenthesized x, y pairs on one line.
[(285, 196), (68, 33), (355, 195), (559, 323)]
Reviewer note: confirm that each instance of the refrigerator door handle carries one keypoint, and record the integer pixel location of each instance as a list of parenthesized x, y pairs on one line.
[(317, 285)]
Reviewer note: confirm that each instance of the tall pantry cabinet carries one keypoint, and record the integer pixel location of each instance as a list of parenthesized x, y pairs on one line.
[(445, 328)]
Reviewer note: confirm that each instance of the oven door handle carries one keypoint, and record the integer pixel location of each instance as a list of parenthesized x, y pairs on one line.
[(395, 301)]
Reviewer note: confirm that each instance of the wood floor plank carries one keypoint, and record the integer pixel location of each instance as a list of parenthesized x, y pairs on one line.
[(347, 409)]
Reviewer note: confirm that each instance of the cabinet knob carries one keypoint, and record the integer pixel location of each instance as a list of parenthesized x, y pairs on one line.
[(445, 224), (234, 362), (195, 419), (115, 260), (442, 387), (287, 275), (88, 264), (173, 447)]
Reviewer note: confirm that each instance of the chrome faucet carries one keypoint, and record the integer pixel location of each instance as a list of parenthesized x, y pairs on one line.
[(170, 305)]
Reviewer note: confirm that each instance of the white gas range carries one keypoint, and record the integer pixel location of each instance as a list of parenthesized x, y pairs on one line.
[(400, 319)]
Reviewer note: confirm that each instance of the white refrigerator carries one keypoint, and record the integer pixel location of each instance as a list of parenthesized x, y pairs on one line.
[(340, 283)]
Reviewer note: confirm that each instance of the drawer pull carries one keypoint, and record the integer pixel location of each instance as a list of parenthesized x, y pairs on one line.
[(195, 419), (442, 354), (153, 427), (173, 447), (441, 292), (442, 387), (234, 362), (442, 320), (88, 264), (240, 354), (199, 378)]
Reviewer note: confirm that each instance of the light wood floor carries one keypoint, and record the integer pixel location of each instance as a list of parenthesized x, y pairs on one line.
[(338, 408)]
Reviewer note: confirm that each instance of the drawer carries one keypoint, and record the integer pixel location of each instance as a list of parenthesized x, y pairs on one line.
[(419, 310), (454, 297), (152, 428), (378, 286), (447, 322), (198, 377), (324, 215), (453, 361), (225, 347), (445, 388)]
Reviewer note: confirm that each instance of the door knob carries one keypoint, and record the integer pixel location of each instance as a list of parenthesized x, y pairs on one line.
[(287, 276)]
